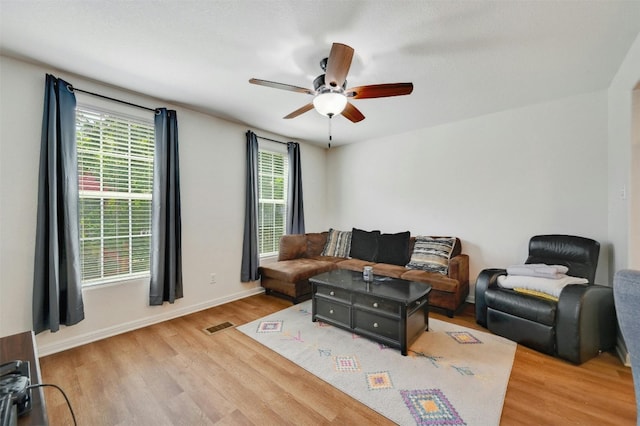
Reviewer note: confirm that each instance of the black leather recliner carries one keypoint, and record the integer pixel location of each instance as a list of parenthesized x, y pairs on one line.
[(576, 327)]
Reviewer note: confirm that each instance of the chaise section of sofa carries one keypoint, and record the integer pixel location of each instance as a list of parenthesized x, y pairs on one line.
[(300, 258)]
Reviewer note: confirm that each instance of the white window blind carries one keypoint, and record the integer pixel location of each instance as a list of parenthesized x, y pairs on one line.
[(272, 207), (115, 173)]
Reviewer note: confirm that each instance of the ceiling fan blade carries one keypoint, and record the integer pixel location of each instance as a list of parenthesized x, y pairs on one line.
[(300, 110), (281, 86), (338, 64), (379, 90), (352, 113)]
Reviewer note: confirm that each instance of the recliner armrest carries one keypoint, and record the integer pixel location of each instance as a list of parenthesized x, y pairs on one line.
[(487, 278), (585, 322)]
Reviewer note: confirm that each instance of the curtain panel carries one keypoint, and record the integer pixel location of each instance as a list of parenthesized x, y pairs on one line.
[(250, 261), (57, 282), (166, 227), (295, 208)]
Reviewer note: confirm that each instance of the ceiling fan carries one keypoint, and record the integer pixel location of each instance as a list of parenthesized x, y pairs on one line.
[(331, 97)]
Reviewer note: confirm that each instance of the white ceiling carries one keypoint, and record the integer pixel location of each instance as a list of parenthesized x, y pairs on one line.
[(465, 58)]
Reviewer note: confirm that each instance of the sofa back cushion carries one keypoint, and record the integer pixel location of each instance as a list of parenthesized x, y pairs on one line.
[(364, 244), (394, 248), (292, 246), (315, 243)]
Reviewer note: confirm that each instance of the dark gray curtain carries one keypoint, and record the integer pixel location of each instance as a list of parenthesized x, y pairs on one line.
[(166, 228), (57, 285), (250, 261), (295, 209)]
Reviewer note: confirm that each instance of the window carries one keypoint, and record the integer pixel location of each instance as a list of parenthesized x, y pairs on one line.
[(272, 205), (115, 175)]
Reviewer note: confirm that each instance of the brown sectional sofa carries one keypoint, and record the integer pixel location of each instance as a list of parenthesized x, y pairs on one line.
[(300, 258)]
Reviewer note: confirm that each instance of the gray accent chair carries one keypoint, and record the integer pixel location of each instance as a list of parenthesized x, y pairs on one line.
[(626, 294)]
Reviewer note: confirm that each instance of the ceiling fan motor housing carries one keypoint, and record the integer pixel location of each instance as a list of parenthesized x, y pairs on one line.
[(320, 86)]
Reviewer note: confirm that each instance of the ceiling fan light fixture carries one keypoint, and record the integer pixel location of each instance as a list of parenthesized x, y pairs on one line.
[(330, 103)]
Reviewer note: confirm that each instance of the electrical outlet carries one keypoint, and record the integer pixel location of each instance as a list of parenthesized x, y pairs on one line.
[(212, 280)]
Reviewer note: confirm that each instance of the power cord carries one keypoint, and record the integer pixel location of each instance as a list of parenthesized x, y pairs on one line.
[(41, 385)]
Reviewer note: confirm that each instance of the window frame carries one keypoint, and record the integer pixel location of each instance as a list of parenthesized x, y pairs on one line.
[(278, 149), (129, 115)]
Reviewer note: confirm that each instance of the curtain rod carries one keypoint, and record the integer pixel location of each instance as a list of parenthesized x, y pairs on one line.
[(269, 139), (113, 99)]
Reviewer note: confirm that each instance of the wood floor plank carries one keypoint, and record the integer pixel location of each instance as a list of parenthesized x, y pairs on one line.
[(175, 373)]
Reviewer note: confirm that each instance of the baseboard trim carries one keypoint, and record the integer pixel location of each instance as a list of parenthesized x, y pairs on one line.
[(623, 353), (52, 348)]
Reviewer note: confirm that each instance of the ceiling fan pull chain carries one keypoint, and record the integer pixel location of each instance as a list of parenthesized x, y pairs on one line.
[(330, 137)]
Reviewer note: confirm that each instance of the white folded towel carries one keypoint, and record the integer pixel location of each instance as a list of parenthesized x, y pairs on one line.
[(544, 285), (538, 270)]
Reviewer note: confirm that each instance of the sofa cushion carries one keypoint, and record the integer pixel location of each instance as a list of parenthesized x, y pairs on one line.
[(338, 243), (389, 270), (436, 280), (296, 269), (394, 248), (354, 264), (432, 254), (364, 244), (332, 259)]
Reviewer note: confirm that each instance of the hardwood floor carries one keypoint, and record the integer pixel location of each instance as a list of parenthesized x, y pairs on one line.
[(173, 373)]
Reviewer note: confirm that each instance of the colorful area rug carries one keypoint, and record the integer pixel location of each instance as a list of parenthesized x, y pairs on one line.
[(452, 375)]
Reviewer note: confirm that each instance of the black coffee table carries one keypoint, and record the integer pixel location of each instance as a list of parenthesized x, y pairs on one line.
[(391, 311)]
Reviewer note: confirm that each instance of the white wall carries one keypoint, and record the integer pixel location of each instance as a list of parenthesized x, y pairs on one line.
[(620, 108), (633, 191), (493, 181), (212, 156)]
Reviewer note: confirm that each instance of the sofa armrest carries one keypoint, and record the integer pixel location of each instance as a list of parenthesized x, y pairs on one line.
[(459, 268), (585, 323), (487, 279)]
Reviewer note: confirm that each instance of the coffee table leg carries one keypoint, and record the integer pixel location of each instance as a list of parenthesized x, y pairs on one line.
[(313, 302)]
